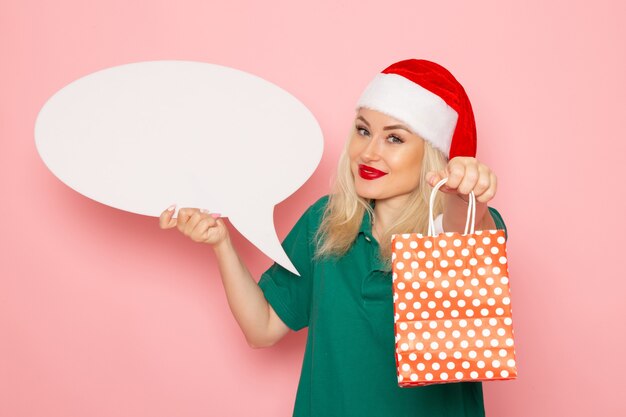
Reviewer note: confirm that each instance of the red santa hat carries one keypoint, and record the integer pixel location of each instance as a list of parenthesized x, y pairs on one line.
[(428, 98)]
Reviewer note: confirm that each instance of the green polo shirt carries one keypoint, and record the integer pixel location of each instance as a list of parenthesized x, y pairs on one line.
[(349, 366)]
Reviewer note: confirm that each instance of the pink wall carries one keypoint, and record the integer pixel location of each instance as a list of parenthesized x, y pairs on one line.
[(103, 314)]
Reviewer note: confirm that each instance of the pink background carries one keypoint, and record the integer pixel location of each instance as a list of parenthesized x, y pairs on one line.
[(104, 314)]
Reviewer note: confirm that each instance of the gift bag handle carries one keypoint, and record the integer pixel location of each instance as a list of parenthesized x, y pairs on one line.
[(471, 210)]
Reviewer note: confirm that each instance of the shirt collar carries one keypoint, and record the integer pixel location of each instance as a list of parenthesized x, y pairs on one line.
[(366, 225), (365, 231)]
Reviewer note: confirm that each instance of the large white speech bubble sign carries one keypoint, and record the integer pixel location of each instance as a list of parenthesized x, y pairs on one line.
[(142, 136)]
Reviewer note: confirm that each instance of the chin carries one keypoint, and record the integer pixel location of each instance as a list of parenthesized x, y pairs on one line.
[(365, 191)]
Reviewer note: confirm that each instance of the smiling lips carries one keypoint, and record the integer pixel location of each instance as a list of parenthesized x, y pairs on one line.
[(369, 173)]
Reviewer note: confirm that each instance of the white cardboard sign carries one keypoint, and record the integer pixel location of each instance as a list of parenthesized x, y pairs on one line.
[(142, 136)]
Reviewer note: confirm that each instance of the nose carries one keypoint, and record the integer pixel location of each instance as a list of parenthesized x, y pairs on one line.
[(371, 152)]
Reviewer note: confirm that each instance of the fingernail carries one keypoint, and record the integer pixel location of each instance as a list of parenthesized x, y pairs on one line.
[(215, 215), (172, 207)]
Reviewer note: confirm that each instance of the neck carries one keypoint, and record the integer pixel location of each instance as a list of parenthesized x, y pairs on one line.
[(385, 214)]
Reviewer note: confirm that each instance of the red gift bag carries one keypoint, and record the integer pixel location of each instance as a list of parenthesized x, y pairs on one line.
[(452, 305)]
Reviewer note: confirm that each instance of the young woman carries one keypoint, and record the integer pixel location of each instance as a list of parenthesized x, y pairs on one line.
[(413, 126)]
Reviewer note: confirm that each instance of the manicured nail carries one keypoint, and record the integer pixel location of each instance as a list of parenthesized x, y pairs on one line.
[(215, 215), (172, 207)]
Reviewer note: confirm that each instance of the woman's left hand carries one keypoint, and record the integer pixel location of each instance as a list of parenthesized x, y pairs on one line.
[(466, 174)]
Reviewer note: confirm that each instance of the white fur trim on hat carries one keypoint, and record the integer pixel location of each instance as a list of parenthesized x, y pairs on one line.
[(424, 112)]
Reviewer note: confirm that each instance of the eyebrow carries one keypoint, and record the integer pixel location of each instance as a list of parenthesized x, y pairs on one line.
[(397, 127), (392, 127)]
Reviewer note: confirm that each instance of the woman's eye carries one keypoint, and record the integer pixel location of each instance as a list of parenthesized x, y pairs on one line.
[(362, 131), (394, 139)]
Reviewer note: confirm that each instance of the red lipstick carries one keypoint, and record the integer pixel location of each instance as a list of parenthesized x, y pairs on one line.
[(369, 173)]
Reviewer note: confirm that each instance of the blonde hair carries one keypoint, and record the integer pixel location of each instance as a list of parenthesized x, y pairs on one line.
[(344, 213)]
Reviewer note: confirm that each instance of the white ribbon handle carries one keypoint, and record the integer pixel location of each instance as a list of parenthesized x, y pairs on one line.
[(471, 210)]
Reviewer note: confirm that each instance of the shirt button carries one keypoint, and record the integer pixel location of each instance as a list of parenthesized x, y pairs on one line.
[(368, 239)]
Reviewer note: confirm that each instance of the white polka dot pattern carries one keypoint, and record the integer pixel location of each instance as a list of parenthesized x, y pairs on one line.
[(461, 327)]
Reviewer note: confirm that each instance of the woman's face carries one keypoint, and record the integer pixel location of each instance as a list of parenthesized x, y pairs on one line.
[(385, 156)]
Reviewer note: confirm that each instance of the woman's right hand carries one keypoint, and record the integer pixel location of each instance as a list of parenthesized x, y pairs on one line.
[(198, 225)]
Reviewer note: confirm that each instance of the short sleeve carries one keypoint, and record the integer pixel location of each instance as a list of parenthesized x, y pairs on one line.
[(289, 294)]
